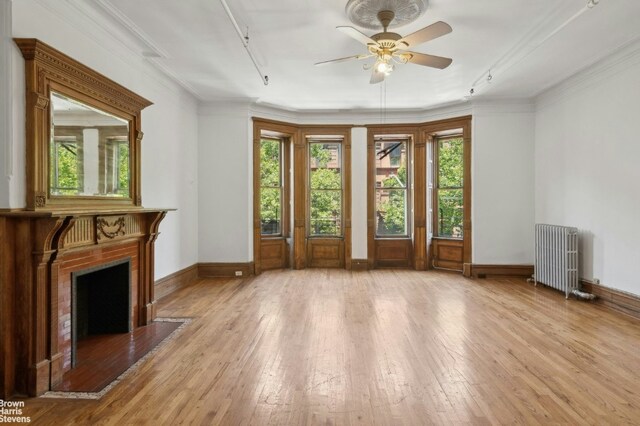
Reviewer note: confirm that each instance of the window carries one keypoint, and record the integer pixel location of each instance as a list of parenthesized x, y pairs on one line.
[(325, 188), (66, 171), (392, 197), (271, 188), (448, 187), (117, 167), (122, 168)]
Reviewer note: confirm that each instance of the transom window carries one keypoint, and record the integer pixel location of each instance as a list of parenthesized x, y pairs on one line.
[(392, 183), (449, 187), (325, 187)]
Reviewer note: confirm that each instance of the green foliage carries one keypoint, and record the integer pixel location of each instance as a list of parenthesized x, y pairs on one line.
[(450, 180), (123, 169), (392, 205), (450, 163), (325, 193), (320, 155), (66, 155), (270, 191)]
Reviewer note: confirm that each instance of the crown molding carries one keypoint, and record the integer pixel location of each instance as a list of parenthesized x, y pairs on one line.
[(520, 50), (360, 117), (501, 106), (621, 59), (112, 12), (93, 21), (357, 118), (151, 51)]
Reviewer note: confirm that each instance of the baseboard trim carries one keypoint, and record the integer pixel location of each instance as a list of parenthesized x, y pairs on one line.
[(176, 281), (618, 300), (484, 271), (359, 264), (211, 269)]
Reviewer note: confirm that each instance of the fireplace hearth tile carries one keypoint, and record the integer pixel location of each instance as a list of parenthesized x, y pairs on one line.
[(74, 386)]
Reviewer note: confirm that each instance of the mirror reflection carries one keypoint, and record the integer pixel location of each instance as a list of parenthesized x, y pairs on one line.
[(89, 151)]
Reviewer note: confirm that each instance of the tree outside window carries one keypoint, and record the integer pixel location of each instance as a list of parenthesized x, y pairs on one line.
[(449, 187), (392, 188), (325, 188), (271, 187)]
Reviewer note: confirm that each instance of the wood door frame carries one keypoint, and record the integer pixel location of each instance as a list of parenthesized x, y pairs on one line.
[(423, 134), (430, 133), (288, 134), (301, 249), (403, 245)]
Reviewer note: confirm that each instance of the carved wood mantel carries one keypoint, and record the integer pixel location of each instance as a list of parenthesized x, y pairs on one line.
[(35, 252)]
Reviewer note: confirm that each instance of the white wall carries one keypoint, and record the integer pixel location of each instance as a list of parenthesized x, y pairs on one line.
[(169, 147), (225, 183), (358, 193), (502, 184), (587, 170)]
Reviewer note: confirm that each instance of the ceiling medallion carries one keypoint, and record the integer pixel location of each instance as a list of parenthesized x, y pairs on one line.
[(364, 13)]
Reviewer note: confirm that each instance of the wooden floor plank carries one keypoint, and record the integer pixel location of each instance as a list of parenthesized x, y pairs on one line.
[(383, 347)]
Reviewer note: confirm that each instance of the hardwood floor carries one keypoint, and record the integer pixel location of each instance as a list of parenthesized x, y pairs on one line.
[(385, 347)]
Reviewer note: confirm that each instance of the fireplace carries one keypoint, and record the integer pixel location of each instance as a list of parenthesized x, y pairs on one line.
[(59, 290), (101, 302)]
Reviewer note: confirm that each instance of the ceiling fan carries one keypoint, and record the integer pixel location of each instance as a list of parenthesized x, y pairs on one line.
[(389, 48)]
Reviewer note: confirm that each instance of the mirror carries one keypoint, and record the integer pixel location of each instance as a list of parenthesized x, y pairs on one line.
[(83, 135), (88, 151)]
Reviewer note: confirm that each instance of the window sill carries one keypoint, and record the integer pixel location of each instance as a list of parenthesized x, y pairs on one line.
[(399, 237)]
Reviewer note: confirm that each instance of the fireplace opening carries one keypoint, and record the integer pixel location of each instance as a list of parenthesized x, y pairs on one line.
[(101, 302)]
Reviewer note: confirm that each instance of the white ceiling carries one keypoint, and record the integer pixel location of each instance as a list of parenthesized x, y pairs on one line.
[(198, 45)]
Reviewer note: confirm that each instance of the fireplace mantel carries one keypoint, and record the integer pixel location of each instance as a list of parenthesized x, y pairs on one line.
[(38, 249)]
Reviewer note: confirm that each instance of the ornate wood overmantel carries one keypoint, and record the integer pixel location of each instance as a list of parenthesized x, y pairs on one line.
[(33, 251), (60, 234)]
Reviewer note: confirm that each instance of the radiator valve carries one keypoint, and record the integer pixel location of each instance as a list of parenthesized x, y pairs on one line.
[(583, 295)]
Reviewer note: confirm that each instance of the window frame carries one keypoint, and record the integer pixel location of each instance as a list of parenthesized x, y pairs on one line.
[(437, 187), (324, 139), (283, 215), (407, 188)]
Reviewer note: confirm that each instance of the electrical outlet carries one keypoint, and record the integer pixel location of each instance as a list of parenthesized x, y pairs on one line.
[(238, 273), (596, 281)]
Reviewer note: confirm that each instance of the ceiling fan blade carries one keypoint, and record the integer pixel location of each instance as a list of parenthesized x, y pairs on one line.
[(376, 77), (426, 60), (357, 35), (427, 33), (333, 61)]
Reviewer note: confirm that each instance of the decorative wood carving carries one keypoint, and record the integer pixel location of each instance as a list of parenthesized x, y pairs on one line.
[(46, 70), (53, 235), (40, 243), (110, 227)]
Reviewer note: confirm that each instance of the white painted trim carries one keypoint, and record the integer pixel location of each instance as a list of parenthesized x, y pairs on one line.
[(153, 50), (358, 118), (6, 89), (603, 69), (92, 21)]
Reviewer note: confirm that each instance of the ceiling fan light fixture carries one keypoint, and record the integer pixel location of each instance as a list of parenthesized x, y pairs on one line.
[(384, 66)]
